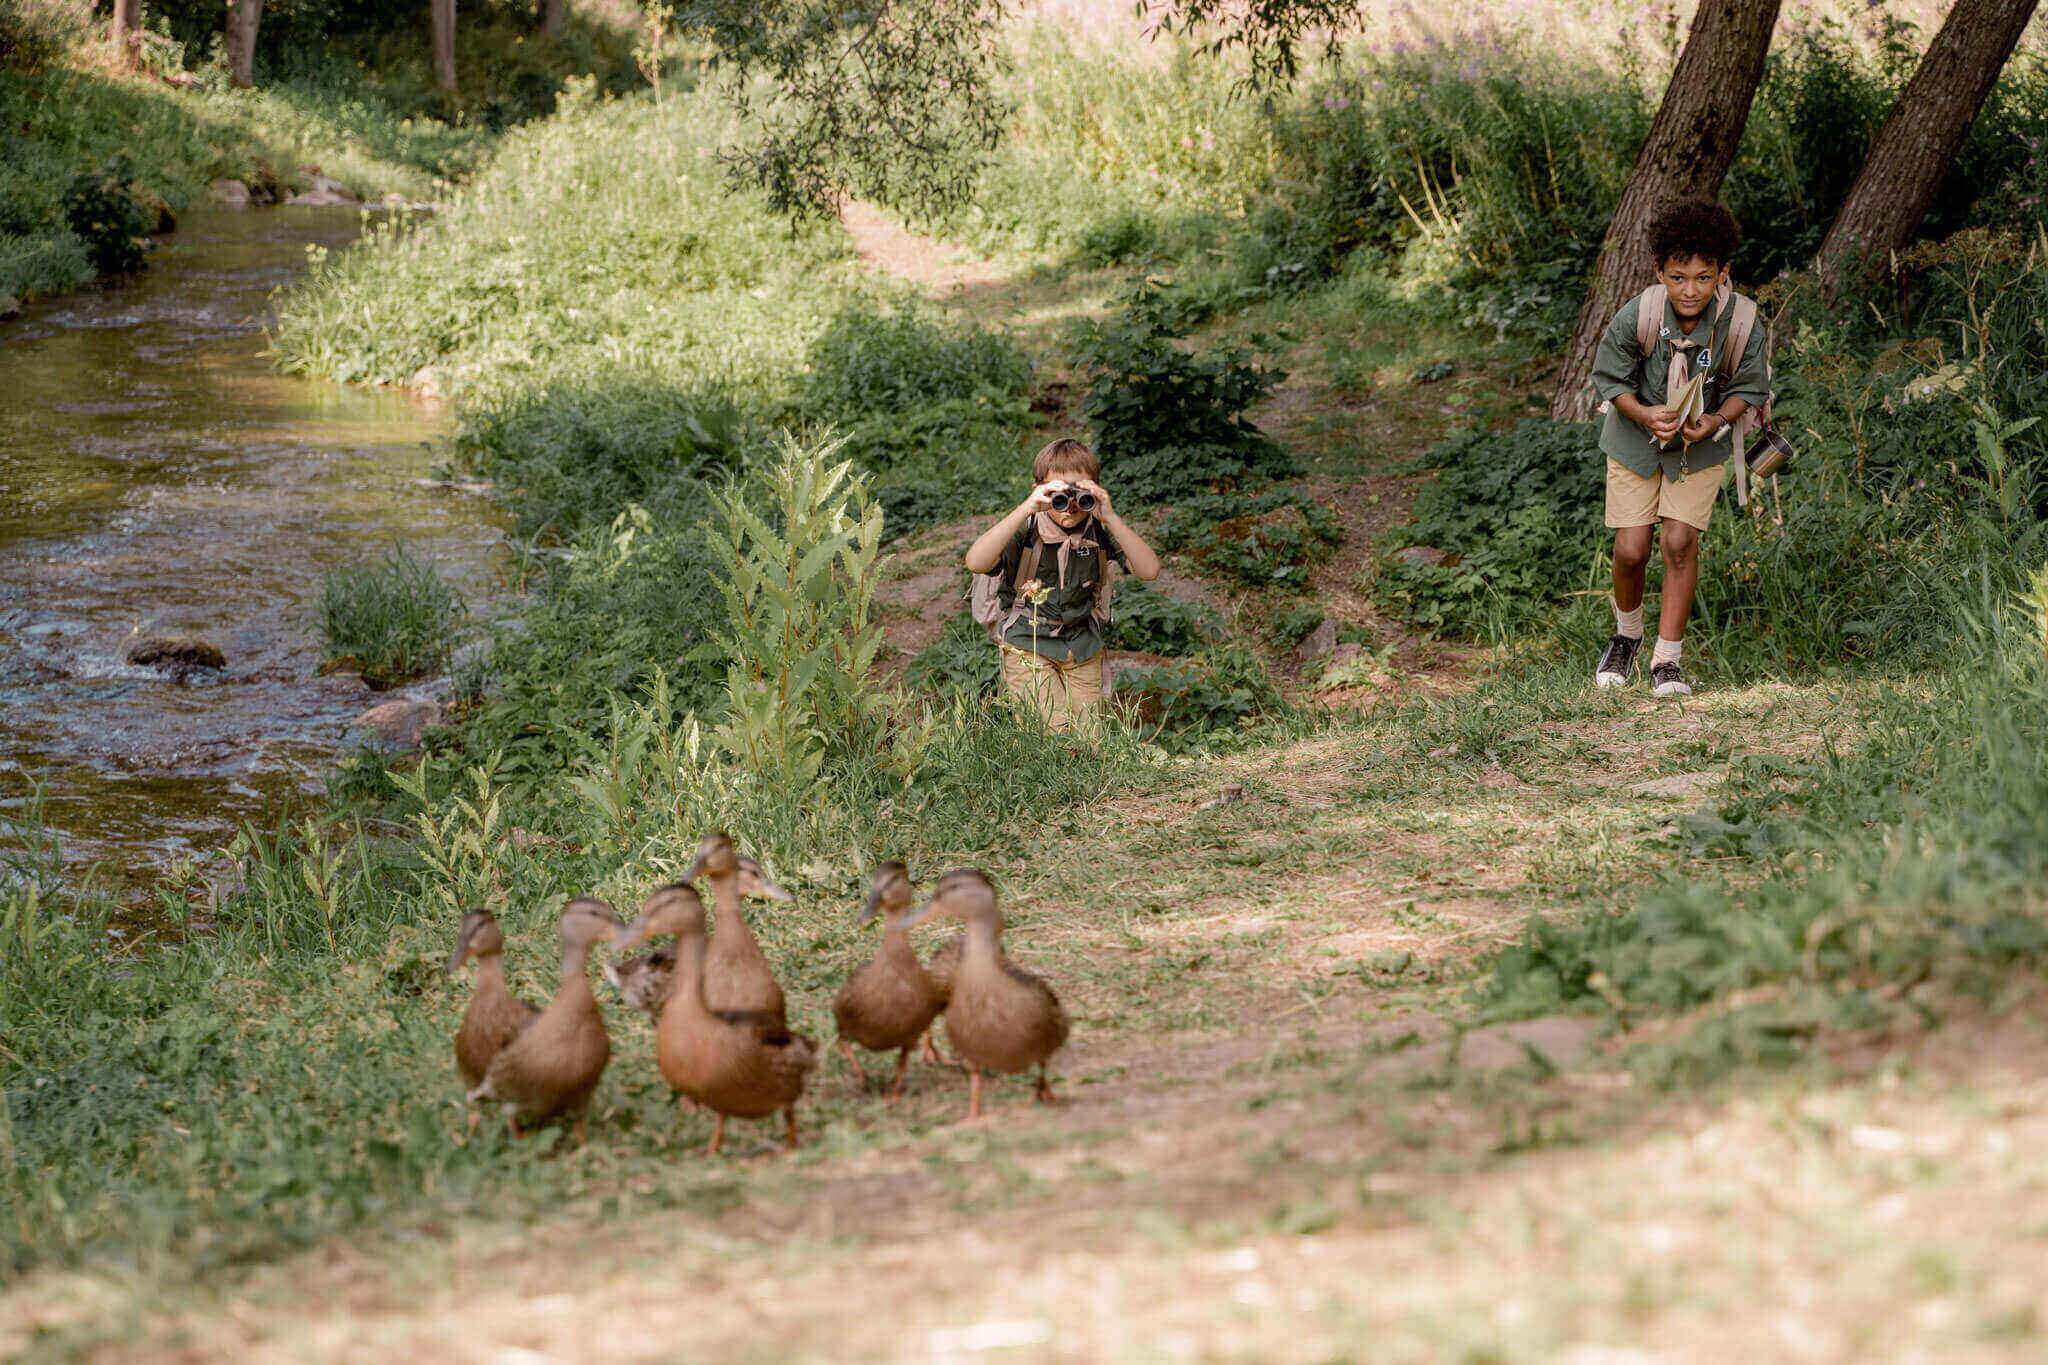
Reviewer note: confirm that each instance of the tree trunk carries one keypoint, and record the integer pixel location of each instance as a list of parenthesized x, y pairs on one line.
[(243, 18), (1691, 144), (444, 46), (557, 14), (1920, 138), (120, 32)]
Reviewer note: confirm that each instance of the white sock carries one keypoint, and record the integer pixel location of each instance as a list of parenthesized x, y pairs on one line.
[(1629, 623), (1666, 652)]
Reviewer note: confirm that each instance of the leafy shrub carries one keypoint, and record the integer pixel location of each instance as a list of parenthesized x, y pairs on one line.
[(35, 32), (1168, 422), (1149, 622), (1120, 237), (1271, 539), (102, 211), (928, 490), (575, 454), (394, 617), (1182, 703), (963, 661), (930, 408), (870, 364), (631, 598), (1520, 510)]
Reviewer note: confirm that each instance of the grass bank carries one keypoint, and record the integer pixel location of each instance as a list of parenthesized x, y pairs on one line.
[(135, 133), (356, 108)]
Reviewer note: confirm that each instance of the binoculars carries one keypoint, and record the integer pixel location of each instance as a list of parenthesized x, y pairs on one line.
[(1072, 497)]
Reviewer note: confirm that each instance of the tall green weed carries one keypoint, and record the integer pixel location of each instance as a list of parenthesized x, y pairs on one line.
[(795, 556)]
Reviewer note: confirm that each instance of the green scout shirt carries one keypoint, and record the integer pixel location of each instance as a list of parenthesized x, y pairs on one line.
[(1619, 366), (1063, 620)]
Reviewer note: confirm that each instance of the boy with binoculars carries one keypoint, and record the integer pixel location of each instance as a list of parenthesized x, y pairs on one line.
[(1044, 583)]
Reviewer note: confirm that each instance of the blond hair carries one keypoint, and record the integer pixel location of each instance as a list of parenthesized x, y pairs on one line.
[(1068, 456)]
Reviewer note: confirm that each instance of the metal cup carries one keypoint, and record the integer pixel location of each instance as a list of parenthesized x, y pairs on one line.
[(1773, 452)]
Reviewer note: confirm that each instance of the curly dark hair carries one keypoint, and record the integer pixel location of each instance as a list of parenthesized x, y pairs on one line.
[(1694, 227)]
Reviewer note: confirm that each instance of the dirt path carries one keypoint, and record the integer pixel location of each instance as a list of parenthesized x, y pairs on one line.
[(1274, 1144), (1848, 1222), (940, 268)]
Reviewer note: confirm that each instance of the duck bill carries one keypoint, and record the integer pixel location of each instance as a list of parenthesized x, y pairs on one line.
[(931, 909), (693, 871), (624, 938), (871, 909), (458, 957)]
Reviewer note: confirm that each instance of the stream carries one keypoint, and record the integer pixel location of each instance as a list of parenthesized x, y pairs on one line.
[(157, 476)]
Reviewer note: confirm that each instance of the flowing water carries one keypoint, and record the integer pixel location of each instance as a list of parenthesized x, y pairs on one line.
[(158, 477)]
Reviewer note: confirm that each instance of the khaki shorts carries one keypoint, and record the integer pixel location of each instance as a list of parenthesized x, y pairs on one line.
[(1062, 692), (1633, 500)]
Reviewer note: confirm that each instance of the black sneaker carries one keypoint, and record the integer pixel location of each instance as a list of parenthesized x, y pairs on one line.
[(1667, 681), (1617, 661)]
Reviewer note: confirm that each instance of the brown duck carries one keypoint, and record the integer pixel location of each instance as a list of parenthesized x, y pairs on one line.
[(553, 1065), (642, 982), (736, 971), (889, 1002), (738, 1063), (1000, 1017), (495, 1015)]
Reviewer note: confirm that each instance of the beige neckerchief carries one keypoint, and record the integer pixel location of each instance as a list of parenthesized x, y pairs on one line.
[(1051, 532)]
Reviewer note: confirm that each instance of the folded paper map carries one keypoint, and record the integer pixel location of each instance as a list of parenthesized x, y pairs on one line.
[(1691, 403)]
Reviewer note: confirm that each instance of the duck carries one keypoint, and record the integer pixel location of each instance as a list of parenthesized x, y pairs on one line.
[(736, 972), (889, 1002), (552, 1066), (942, 966), (495, 1015), (999, 1017), (736, 1063), (642, 982)]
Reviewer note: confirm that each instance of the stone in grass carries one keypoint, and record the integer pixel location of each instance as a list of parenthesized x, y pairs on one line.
[(1322, 640), (1426, 556), (175, 653), (232, 193), (398, 725), (1678, 786)]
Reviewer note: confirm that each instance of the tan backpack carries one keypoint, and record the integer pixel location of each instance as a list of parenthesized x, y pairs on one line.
[(1742, 314)]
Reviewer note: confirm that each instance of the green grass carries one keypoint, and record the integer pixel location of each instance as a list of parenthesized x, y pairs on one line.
[(394, 618), (622, 337), (1849, 880)]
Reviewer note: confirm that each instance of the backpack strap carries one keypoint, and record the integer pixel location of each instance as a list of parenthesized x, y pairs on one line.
[(1742, 318), (1026, 571), (1649, 317)]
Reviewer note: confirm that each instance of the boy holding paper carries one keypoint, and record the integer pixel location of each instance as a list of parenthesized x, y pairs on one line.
[(1669, 408)]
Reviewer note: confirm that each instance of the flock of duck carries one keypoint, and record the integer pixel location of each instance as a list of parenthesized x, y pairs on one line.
[(721, 1033)]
